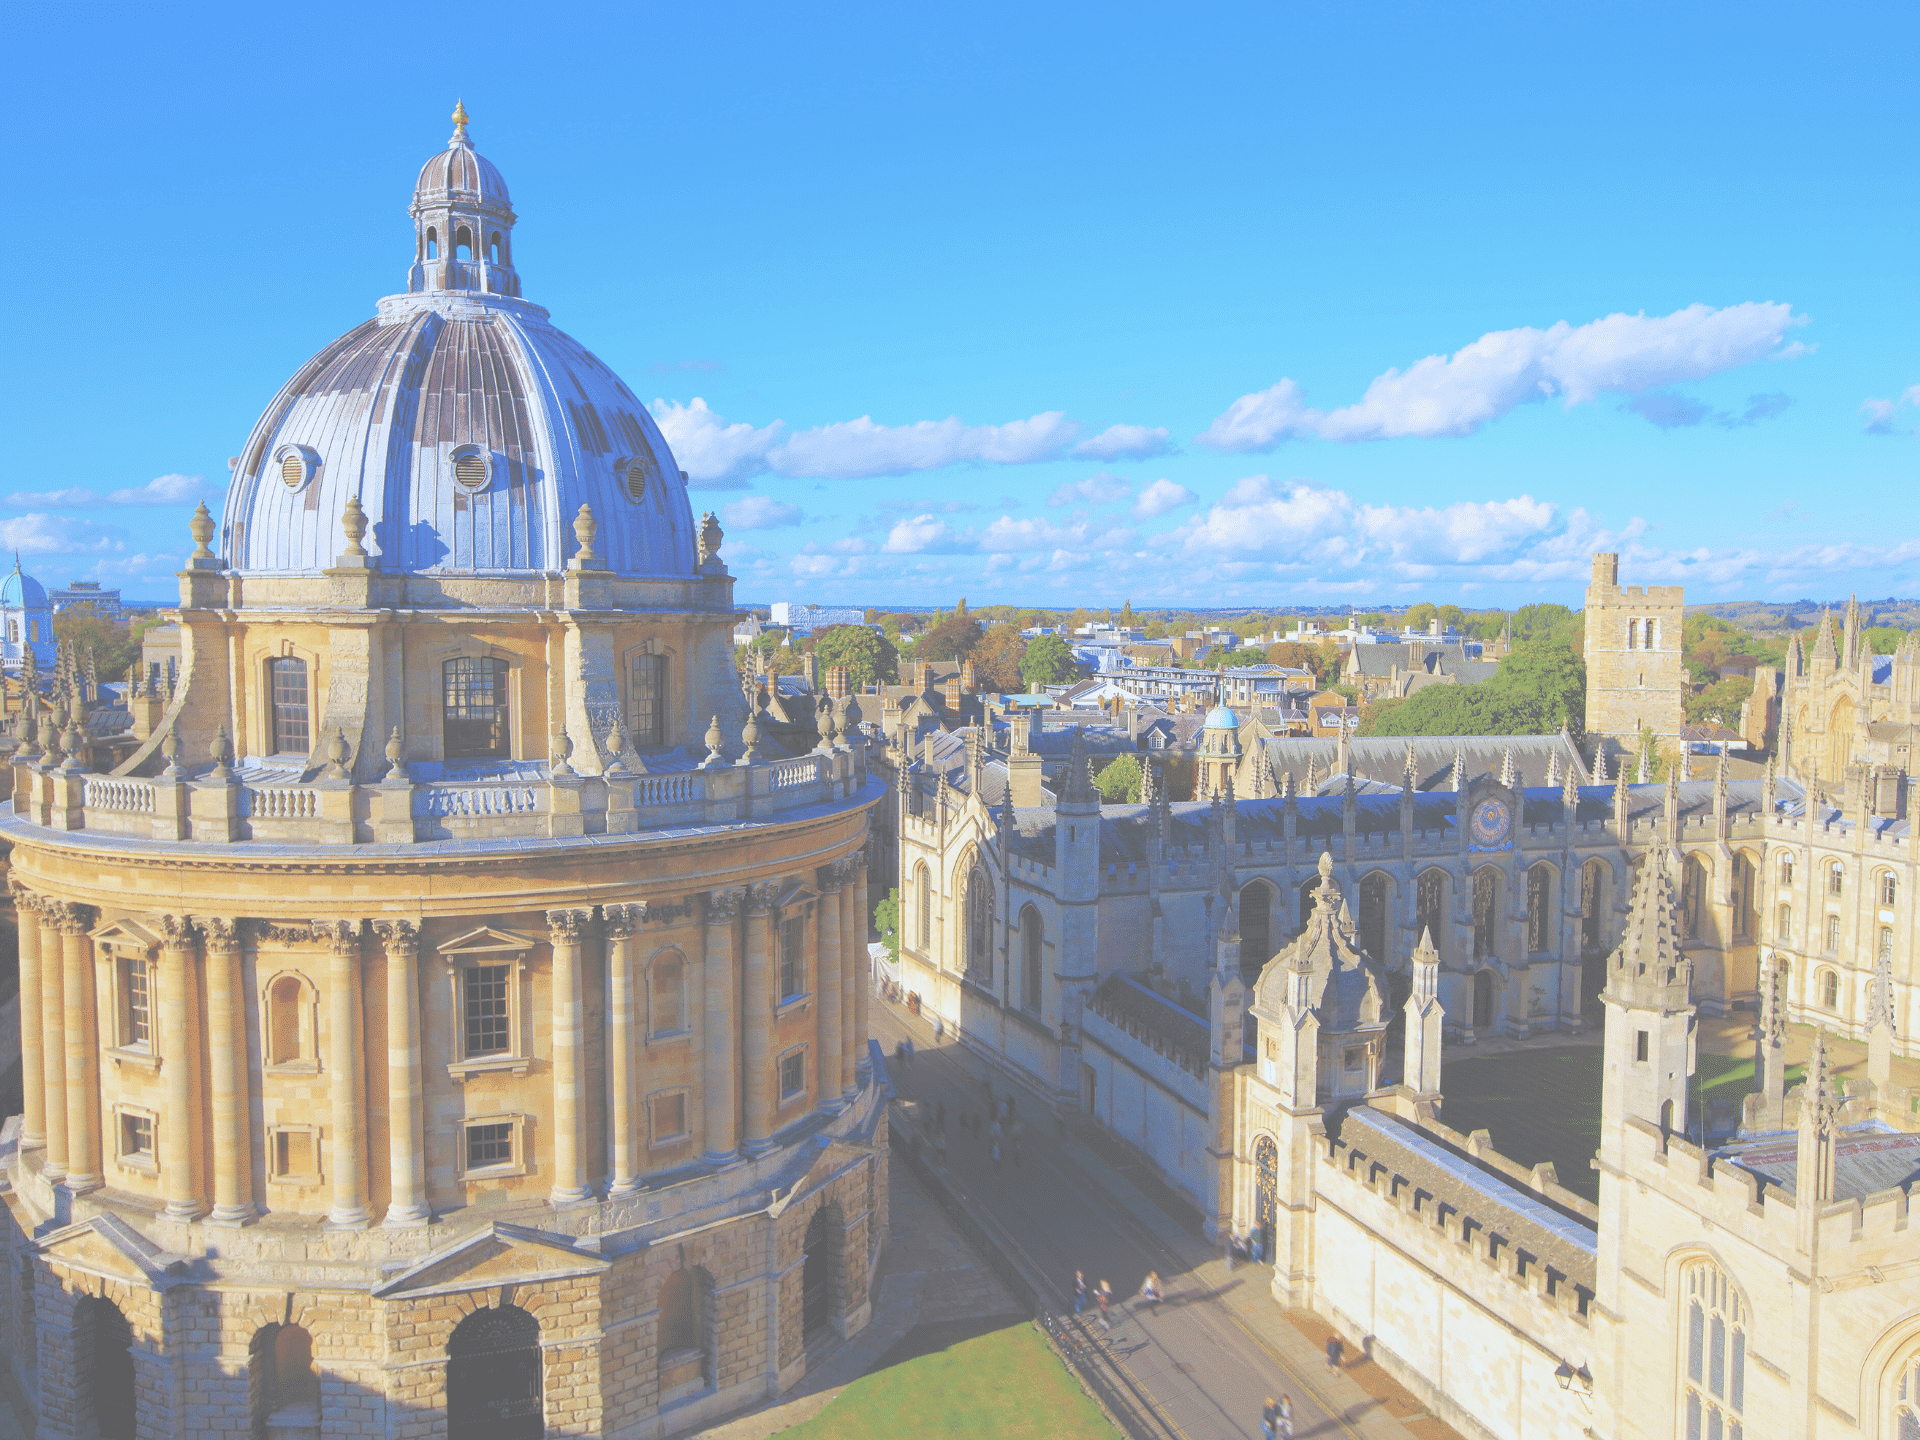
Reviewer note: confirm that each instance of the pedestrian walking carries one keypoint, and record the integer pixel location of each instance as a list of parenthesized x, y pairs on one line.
[(1285, 1422), (1105, 1296), (1336, 1352), (1257, 1242), (1150, 1291), (1079, 1292), (1270, 1419), (996, 1156)]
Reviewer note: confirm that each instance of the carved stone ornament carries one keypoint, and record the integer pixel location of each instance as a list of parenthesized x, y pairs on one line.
[(710, 537), (655, 912), (222, 932), (566, 925), (398, 937), (178, 931), (201, 528), (722, 906), (342, 935), (585, 527), (75, 919), (620, 921)]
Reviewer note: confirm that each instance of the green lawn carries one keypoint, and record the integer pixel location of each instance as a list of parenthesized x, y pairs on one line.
[(1003, 1383)]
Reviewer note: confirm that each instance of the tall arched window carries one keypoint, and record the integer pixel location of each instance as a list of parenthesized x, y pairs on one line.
[(1693, 896), (1031, 939), (1833, 935), (1714, 1373), (1539, 891), (1786, 871), (1374, 890), (1256, 927), (647, 696), (1486, 913), (1889, 888), (1906, 1401), (433, 243), (494, 1374), (282, 1389), (1592, 933), (1830, 989), (475, 711), (1744, 915), (979, 957), (289, 1028), (493, 249), (923, 905), (463, 244), (287, 687), (1783, 932), (1429, 907), (1633, 634), (1836, 879)]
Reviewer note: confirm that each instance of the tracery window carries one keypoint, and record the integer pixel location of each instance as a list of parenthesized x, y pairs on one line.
[(1906, 1402), (1693, 890), (1485, 890), (1030, 941), (1715, 1339), (1429, 901), (979, 927), (1539, 879), (923, 905)]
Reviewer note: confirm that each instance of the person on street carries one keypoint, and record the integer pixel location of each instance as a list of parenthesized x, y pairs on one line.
[(1285, 1421), (1270, 1419), (1336, 1351), (1079, 1293), (1150, 1291), (1105, 1296)]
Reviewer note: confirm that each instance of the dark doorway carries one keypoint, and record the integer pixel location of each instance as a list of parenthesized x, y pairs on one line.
[(816, 1275), (493, 1377), (103, 1353), (1266, 1191), (1483, 1000)]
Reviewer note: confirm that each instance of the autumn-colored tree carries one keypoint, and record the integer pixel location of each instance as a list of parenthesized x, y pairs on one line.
[(996, 659), (951, 639)]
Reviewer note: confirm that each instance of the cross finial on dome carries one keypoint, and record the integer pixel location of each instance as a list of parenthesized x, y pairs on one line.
[(459, 123)]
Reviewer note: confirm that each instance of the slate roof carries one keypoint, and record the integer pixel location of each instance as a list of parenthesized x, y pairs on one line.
[(1865, 1162), (1384, 757)]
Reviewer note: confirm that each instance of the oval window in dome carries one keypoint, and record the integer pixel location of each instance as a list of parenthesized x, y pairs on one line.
[(637, 472), (471, 468), (297, 464)]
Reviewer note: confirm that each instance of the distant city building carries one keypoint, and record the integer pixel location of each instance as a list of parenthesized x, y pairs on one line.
[(805, 619), (87, 592), (26, 621)]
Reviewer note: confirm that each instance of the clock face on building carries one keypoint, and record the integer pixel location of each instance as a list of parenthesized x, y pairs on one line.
[(1490, 823)]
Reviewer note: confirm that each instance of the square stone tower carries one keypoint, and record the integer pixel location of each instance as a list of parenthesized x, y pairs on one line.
[(1635, 677)]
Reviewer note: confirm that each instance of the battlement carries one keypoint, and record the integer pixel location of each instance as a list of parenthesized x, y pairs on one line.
[(1642, 595)]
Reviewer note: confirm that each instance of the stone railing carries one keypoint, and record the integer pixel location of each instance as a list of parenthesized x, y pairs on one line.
[(230, 808)]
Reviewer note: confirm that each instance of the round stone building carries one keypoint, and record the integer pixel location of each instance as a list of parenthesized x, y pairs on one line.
[(445, 1021)]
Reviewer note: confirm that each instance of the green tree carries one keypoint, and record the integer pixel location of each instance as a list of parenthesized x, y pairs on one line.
[(1537, 689), (1885, 639), (1126, 613), (114, 646), (886, 919), (1119, 782), (1048, 661), (869, 656), (1420, 616)]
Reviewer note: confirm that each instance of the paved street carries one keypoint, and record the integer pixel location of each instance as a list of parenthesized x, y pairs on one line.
[(1218, 1344)]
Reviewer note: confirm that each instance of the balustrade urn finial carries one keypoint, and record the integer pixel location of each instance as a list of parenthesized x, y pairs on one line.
[(710, 537), (585, 527), (353, 524), (750, 739), (560, 768), (396, 752), (337, 752), (201, 528), (713, 742), (221, 749), (170, 749)]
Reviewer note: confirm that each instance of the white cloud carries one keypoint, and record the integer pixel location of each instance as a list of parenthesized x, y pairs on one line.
[(1883, 415), (1101, 489), (926, 535), (1445, 395), (860, 449), (1097, 533), (161, 490), (1160, 497), (36, 534), (715, 455), (1126, 442), (759, 512)]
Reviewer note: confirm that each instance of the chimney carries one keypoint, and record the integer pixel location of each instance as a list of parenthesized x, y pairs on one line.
[(837, 681), (966, 676), (950, 693)]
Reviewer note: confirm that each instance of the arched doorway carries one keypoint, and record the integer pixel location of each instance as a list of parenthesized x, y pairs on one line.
[(282, 1389), (493, 1377), (1375, 891), (818, 1274), (103, 1362), (1256, 928), (1266, 1191), (1484, 985)]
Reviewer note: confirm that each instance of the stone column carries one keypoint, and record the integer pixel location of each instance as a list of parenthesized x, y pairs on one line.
[(53, 1038), (33, 1077), (830, 964), (407, 1207), (720, 1019), (227, 1078), (853, 971), (179, 994), (862, 983), (624, 1008), (83, 1051), (756, 1011), (564, 929), (347, 1083)]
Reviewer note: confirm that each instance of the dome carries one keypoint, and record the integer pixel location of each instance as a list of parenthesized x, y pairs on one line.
[(470, 428), (20, 591), (1221, 718)]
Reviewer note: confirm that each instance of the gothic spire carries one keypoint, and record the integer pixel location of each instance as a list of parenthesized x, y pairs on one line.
[(1509, 771)]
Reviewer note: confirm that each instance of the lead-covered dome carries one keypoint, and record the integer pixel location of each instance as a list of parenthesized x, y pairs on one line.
[(469, 427)]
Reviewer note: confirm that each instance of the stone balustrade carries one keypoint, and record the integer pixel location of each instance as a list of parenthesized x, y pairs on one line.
[(237, 808)]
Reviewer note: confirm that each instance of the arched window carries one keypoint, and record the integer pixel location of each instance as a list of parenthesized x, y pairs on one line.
[(433, 243), (1786, 871), (1031, 941), (287, 687), (1693, 895), (282, 1389), (1633, 634), (13, 631), (1486, 916), (493, 249), (103, 1368), (667, 994), (1592, 933), (1714, 1344), (474, 718), (1830, 989), (493, 1376), (1889, 888), (1745, 919), (1906, 1401), (647, 696), (1266, 1191), (979, 911), (685, 1336), (1374, 891), (289, 1028), (1836, 878), (1833, 934), (923, 905), (1429, 907), (1783, 932), (1256, 927), (463, 244), (1539, 891)]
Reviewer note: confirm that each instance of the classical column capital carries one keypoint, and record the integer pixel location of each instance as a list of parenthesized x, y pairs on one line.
[(759, 898), (828, 878), (722, 906), (222, 933), (73, 919), (398, 937), (566, 925), (342, 936), (178, 932), (23, 898), (620, 921)]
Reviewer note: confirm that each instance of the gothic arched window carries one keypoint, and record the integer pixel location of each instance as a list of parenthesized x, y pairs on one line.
[(1031, 939), (1374, 889), (1714, 1341), (1539, 892), (1486, 891), (923, 905), (979, 927), (1693, 894), (1906, 1401), (1830, 989), (1429, 907), (1836, 878)]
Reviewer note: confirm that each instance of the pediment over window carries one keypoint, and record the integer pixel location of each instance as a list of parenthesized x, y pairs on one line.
[(500, 1254), (130, 935), (485, 942)]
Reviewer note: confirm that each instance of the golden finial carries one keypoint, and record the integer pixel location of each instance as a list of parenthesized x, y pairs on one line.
[(459, 119)]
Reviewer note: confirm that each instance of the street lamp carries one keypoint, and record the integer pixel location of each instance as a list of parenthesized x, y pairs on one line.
[(1578, 1382)]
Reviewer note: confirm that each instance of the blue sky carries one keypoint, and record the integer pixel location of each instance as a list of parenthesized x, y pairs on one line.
[(1047, 305)]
